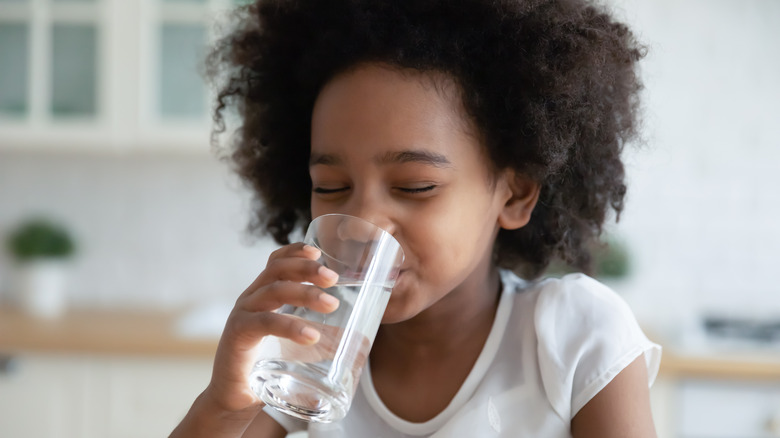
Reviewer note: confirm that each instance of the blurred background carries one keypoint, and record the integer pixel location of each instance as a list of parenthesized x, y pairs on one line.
[(110, 192)]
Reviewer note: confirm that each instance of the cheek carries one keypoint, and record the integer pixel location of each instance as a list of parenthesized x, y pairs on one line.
[(469, 235), (451, 242)]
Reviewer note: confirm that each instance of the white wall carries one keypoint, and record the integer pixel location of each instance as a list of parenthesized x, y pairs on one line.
[(701, 217), (152, 230)]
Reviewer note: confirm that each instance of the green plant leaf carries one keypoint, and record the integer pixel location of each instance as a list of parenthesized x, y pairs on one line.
[(40, 238)]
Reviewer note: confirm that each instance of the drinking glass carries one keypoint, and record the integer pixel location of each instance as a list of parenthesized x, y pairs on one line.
[(317, 382)]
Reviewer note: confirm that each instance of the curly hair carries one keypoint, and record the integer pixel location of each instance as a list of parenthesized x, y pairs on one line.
[(551, 86)]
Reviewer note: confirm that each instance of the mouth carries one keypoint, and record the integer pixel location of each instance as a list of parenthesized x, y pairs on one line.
[(398, 277)]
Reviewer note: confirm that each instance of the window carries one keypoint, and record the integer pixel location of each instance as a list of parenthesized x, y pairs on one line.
[(14, 60), (182, 31), (49, 58), (102, 73)]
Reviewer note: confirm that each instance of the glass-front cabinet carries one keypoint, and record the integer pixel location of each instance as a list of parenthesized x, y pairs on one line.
[(106, 74)]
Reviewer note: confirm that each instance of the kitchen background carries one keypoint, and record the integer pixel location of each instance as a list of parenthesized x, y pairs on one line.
[(104, 128)]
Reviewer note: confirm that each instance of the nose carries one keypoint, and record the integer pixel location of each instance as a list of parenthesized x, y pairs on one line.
[(371, 208), (358, 231)]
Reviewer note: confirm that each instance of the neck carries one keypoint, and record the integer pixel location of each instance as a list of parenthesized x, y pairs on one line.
[(464, 316)]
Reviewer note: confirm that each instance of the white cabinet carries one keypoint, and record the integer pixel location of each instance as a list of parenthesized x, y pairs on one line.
[(148, 398), (54, 396), (697, 407), (664, 405), (729, 409), (105, 74), (45, 397)]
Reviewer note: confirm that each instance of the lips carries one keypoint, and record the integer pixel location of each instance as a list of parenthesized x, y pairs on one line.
[(398, 277)]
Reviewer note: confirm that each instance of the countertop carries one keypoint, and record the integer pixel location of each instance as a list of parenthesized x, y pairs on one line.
[(732, 365), (133, 333), (155, 333)]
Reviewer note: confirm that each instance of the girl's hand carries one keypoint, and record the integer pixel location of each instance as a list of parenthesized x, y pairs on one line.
[(253, 318), (228, 395)]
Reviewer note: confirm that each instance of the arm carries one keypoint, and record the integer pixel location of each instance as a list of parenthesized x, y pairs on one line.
[(207, 420), (264, 426), (621, 409)]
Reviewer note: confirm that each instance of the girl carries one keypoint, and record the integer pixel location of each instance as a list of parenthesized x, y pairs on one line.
[(485, 135)]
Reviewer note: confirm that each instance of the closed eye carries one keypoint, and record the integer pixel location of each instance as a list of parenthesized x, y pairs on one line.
[(324, 191), (417, 189), (410, 190)]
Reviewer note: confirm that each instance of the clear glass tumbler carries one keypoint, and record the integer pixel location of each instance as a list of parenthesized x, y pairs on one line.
[(316, 383)]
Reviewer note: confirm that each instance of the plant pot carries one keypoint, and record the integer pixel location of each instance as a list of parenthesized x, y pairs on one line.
[(40, 287)]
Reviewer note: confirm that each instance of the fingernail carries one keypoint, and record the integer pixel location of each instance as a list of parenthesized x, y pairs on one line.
[(327, 273), (329, 300), (311, 249), (310, 334)]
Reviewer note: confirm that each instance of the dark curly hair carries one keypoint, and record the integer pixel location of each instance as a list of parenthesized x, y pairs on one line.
[(551, 85)]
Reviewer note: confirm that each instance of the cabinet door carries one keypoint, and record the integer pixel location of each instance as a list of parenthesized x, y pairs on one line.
[(148, 397), (719, 409), (48, 397), (74, 71), (102, 74), (49, 60), (14, 71), (51, 396), (664, 406)]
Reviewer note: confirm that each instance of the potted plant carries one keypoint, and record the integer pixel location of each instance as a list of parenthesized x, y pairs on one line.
[(610, 260), (41, 249)]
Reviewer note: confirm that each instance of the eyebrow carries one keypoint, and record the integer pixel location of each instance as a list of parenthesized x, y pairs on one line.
[(416, 156), (398, 157)]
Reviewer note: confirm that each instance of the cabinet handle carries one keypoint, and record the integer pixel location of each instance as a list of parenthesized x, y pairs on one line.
[(8, 365), (773, 424)]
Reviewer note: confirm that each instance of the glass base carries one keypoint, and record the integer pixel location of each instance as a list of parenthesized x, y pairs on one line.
[(299, 390)]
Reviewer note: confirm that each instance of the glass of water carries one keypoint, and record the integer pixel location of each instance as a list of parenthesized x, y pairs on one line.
[(316, 383)]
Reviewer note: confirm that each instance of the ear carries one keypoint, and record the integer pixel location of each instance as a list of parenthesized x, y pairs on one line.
[(521, 195)]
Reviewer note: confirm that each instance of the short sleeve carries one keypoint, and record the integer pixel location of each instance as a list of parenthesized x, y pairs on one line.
[(586, 335)]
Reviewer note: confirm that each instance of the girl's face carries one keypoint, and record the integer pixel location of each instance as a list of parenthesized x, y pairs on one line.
[(395, 149)]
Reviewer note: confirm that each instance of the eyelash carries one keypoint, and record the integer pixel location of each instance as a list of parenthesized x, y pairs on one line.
[(324, 191), (418, 189)]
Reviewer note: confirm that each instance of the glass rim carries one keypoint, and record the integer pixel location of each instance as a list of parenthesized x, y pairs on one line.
[(382, 232)]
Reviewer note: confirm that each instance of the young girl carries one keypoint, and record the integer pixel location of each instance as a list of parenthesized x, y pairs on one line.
[(485, 135)]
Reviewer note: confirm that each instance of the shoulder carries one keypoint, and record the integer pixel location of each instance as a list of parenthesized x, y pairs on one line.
[(558, 300), (585, 335), (579, 299), (578, 315)]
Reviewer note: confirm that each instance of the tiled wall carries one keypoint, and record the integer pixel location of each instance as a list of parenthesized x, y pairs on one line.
[(152, 230), (701, 219), (704, 206)]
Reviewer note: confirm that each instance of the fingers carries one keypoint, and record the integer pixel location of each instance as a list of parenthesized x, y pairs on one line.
[(295, 250), (292, 276), (295, 262), (255, 325), (279, 293), (300, 270)]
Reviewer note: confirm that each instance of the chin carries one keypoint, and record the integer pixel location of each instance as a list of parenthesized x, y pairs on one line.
[(399, 310), (394, 318), (393, 313), (402, 305)]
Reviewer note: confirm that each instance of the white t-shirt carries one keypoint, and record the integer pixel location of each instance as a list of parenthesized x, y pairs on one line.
[(554, 345)]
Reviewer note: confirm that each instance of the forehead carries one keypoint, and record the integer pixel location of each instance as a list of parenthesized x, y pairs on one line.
[(374, 110)]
